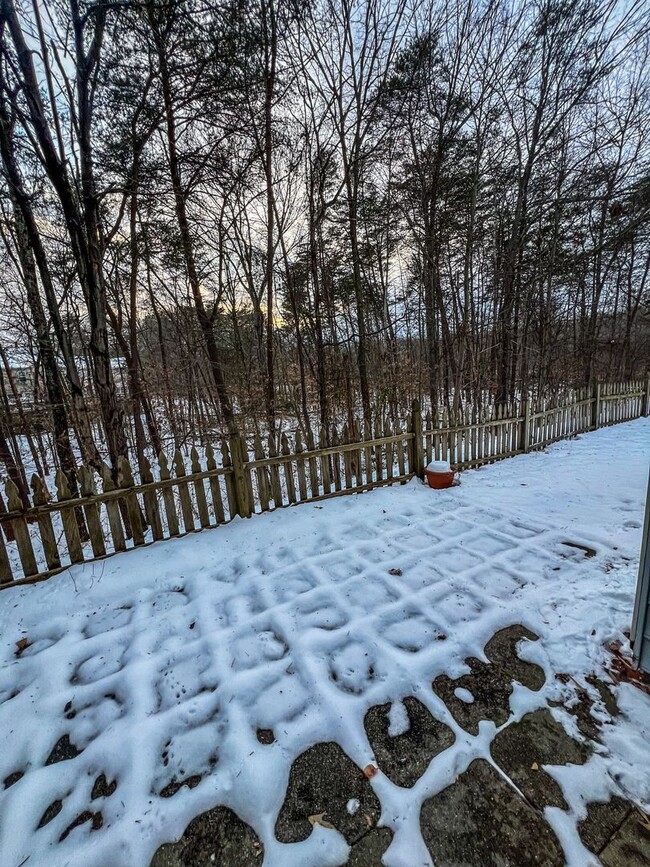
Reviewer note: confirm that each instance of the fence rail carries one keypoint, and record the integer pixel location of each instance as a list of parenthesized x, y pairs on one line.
[(244, 479)]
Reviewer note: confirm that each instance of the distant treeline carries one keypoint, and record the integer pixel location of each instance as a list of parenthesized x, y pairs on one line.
[(284, 213)]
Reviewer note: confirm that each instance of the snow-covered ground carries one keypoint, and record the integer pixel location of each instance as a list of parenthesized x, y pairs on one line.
[(161, 664)]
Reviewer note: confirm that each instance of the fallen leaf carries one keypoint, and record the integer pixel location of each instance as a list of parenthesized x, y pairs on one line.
[(319, 819), (534, 766), (441, 637), (368, 820), (563, 677), (394, 571), (22, 644), (370, 771)]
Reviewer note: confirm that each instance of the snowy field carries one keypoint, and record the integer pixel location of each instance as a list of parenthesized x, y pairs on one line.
[(160, 665)]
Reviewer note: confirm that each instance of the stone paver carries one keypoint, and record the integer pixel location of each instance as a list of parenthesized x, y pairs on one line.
[(602, 822), (368, 851), (522, 748), (490, 684), (630, 846), (321, 783), (405, 757), (217, 836), (490, 693), (479, 821), (501, 650)]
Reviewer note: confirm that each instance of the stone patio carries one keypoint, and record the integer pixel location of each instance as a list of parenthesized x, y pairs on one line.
[(491, 816)]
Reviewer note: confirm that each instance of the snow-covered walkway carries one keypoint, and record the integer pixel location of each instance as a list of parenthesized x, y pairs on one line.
[(121, 680)]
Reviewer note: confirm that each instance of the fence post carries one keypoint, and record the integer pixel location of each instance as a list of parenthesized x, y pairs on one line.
[(125, 480), (416, 450), (595, 409), (525, 431), (237, 452), (646, 397)]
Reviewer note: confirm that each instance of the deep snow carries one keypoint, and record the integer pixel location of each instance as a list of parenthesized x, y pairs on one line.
[(162, 663)]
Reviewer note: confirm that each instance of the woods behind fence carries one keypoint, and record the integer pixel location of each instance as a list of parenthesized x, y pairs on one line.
[(243, 478)]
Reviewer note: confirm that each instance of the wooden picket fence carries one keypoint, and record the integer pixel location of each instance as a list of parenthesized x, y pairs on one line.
[(50, 535)]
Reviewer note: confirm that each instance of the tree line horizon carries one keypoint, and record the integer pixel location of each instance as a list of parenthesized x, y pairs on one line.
[(291, 211)]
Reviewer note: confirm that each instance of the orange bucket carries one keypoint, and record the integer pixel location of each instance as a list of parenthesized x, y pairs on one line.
[(441, 480)]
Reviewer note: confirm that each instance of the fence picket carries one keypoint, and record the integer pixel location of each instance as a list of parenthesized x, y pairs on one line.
[(215, 487), (183, 492), (242, 476), (45, 528), (21, 531), (231, 492), (260, 474), (313, 466), (357, 470), (379, 457), (347, 460), (325, 462), (300, 468), (246, 474), (453, 438), (336, 462), (199, 490), (168, 497), (91, 511), (274, 470), (125, 480), (150, 498), (288, 470), (473, 435), (399, 447), (367, 453), (390, 452), (68, 519)]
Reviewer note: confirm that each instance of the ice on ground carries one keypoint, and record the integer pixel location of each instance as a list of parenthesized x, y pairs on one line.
[(398, 719), (137, 694), (464, 695)]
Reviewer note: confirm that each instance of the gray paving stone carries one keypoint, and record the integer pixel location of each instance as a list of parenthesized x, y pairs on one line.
[(368, 851), (491, 683), (501, 650), (217, 836), (404, 758), (321, 782), (480, 821), (537, 740), (630, 846), (602, 821), (490, 692)]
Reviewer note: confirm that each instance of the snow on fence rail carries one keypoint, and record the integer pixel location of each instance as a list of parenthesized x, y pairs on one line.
[(45, 538)]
